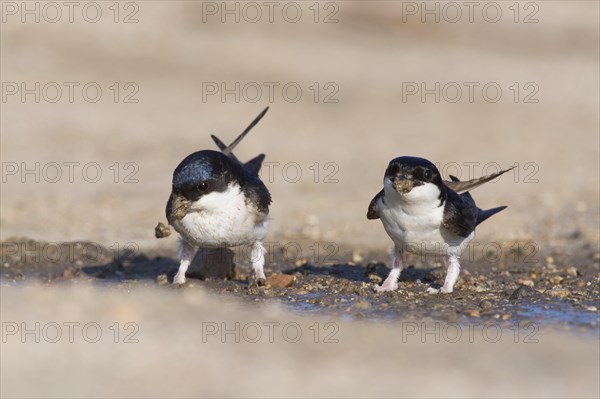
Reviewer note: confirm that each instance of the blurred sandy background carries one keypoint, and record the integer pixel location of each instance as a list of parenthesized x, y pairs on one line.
[(368, 54)]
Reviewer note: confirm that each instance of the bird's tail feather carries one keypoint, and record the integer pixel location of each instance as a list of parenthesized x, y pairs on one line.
[(218, 142), (483, 215), (228, 150), (255, 163)]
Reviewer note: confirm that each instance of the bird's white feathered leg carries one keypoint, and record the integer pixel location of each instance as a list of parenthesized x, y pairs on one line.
[(258, 261), (391, 282), (451, 274), (186, 254)]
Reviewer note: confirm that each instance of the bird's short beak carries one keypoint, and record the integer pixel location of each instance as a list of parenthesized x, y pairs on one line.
[(179, 207), (402, 184)]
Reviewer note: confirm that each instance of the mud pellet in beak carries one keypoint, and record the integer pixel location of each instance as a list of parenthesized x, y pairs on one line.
[(178, 208)]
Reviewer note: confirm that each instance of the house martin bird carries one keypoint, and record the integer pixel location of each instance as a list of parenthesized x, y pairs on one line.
[(218, 202), (423, 214)]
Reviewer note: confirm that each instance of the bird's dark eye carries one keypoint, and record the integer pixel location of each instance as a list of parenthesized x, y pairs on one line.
[(393, 169), (427, 175), (203, 186)]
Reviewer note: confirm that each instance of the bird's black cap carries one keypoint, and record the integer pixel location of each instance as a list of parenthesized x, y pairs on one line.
[(420, 170), (205, 171)]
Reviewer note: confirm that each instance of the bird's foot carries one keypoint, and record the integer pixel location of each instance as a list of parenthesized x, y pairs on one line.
[(446, 290), (257, 280), (386, 286), (260, 278), (179, 279), (443, 290)]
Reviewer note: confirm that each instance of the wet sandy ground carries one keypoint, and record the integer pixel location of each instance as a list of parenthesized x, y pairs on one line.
[(516, 286), (82, 250)]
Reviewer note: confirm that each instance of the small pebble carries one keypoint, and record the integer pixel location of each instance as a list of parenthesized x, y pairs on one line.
[(522, 292), (558, 292), (300, 262), (473, 313), (362, 305), (556, 279), (276, 280), (356, 257), (571, 271), (162, 279), (527, 283)]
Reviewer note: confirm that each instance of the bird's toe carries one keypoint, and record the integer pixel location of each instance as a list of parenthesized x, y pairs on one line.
[(386, 287), (179, 279)]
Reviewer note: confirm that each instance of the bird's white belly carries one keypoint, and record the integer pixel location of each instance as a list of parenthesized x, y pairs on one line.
[(420, 231), (222, 219), (413, 232), (214, 230)]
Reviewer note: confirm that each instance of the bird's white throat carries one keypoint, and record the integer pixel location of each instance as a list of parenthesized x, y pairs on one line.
[(228, 201), (421, 198)]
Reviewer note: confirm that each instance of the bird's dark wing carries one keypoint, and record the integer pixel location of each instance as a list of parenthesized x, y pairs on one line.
[(253, 165), (462, 186), (460, 213), (257, 194), (481, 214), (373, 211)]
